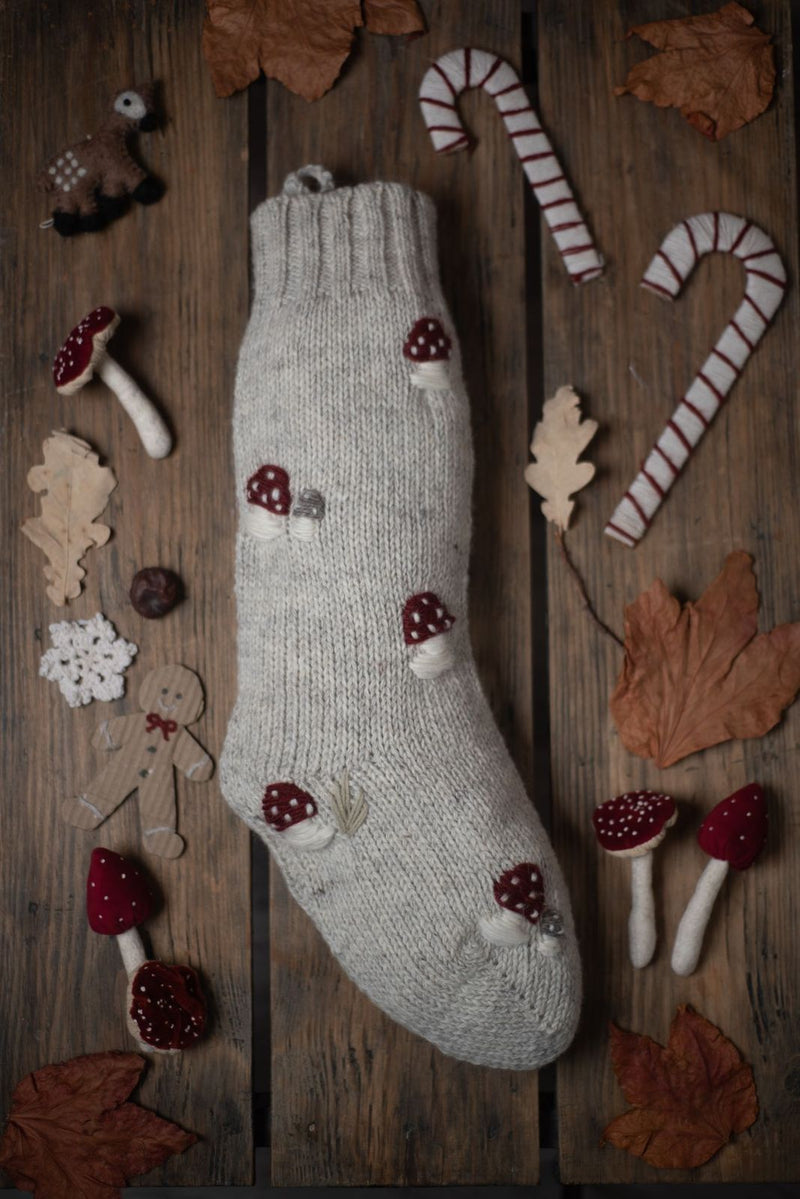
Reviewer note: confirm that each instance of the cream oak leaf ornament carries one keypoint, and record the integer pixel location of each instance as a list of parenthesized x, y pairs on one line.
[(559, 439)]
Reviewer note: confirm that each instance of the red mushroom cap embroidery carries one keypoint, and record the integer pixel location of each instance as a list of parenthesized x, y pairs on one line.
[(269, 488), (735, 830), (74, 359), (635, 822), (521, 890), (285, 805), (168, 1006), (118, 896), (427, 341), (425, 616)]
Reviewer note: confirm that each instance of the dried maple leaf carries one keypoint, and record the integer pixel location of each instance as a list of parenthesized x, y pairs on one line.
[(303, 43), (559, 439), (697, 675), (70, 1131), (687, 1099), (76, 491), (718, 69)]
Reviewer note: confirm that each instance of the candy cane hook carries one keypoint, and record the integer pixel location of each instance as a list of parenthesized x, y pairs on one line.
[(460, 70), (765, 284)]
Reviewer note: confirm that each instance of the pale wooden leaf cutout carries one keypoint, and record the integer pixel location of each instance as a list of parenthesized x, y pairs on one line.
[(76, 490), (559, 439), (349, 807)]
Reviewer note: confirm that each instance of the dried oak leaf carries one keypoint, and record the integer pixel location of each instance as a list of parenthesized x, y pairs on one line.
[(76, 490), (717, 68), (70, 1131), (687, 1100), (303, 43), (697, 674), (559, 439)]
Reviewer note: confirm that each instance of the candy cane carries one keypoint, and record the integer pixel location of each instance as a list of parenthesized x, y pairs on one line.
[(764, 288), (460, 70)]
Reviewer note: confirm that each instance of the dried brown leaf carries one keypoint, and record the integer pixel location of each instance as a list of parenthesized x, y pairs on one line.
[(76, 491), (303, 43), (696, 675), (687, 1099), (559, 439), (70, 1131), (717, 68)]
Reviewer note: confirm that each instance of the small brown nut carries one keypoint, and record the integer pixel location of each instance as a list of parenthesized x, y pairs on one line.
[(155, 591)]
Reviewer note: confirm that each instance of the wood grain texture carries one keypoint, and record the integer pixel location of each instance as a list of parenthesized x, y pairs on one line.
[(357, 1100), (640, 170), (177, 273)]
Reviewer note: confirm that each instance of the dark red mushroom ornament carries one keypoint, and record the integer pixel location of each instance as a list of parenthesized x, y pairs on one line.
[(426, 630), (428, 347), (519, 894), (733, 834)]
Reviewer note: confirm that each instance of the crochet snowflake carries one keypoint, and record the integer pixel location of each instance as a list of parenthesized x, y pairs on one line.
[(87, 660)]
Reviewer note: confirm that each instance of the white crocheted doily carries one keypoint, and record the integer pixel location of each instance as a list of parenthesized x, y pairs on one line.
[(87, 660)]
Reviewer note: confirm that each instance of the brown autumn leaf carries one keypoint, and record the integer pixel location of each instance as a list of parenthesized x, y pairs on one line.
[(687, 1100), (70, 1131), (303, 43), (717, 68), (698, 674)]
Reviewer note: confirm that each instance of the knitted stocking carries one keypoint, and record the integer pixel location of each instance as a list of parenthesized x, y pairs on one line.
[(361, 748)]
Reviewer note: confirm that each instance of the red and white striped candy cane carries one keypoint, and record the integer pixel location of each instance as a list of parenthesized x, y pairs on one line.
[(459, 70), (666, 274)]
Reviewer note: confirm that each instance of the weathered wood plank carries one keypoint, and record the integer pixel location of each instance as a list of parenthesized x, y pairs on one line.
[(177, 273), (355, 1099), (639, 171)]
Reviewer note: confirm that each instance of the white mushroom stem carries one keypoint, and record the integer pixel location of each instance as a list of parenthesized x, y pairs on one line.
[(505, 928), (132, 950), (309, 834), (433, 657), (305, 528), (642, 920), (262, 524), (431, 376), (153, 433), (689, 937)]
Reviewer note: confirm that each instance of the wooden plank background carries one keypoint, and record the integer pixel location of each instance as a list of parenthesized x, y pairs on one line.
[(640, 170), (355, 1099), (177, 272)]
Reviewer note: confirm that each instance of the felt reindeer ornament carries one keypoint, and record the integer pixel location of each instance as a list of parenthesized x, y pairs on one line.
[(92, 180), (143, 751)]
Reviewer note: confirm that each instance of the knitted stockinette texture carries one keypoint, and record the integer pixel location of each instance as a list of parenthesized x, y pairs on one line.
[(345, 696)]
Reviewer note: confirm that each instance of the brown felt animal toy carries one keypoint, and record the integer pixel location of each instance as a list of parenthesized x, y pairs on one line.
[(92, 180), (143, 751)]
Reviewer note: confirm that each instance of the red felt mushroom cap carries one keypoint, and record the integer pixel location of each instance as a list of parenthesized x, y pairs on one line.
[(521, 890), (735, 830), (118, 896), (427, 341), (168, 1006), (75, 362), (425, 616), (285, 805), (634, 823), (269, 488)]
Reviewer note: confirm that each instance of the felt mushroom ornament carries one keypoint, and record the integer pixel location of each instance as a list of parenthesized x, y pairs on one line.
[(269, 501), (166, 1007), (733, 834), (631, 826), (519, 893), (429, 348), (86, 351), (426, 628), (293, 813)]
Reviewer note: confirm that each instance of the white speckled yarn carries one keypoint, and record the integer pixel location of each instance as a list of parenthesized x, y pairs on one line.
[(327, 691)]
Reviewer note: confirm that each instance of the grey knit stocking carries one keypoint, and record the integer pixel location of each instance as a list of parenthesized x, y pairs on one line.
[(361, 748)]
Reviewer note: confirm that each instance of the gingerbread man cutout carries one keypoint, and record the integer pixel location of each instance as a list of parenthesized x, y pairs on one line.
[(144, 751)]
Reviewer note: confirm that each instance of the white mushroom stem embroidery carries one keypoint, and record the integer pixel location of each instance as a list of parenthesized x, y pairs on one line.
[(426, 628), (733, 834), (519, 892), (268, 503), (307, 515), (631, 826), (293, 813)]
